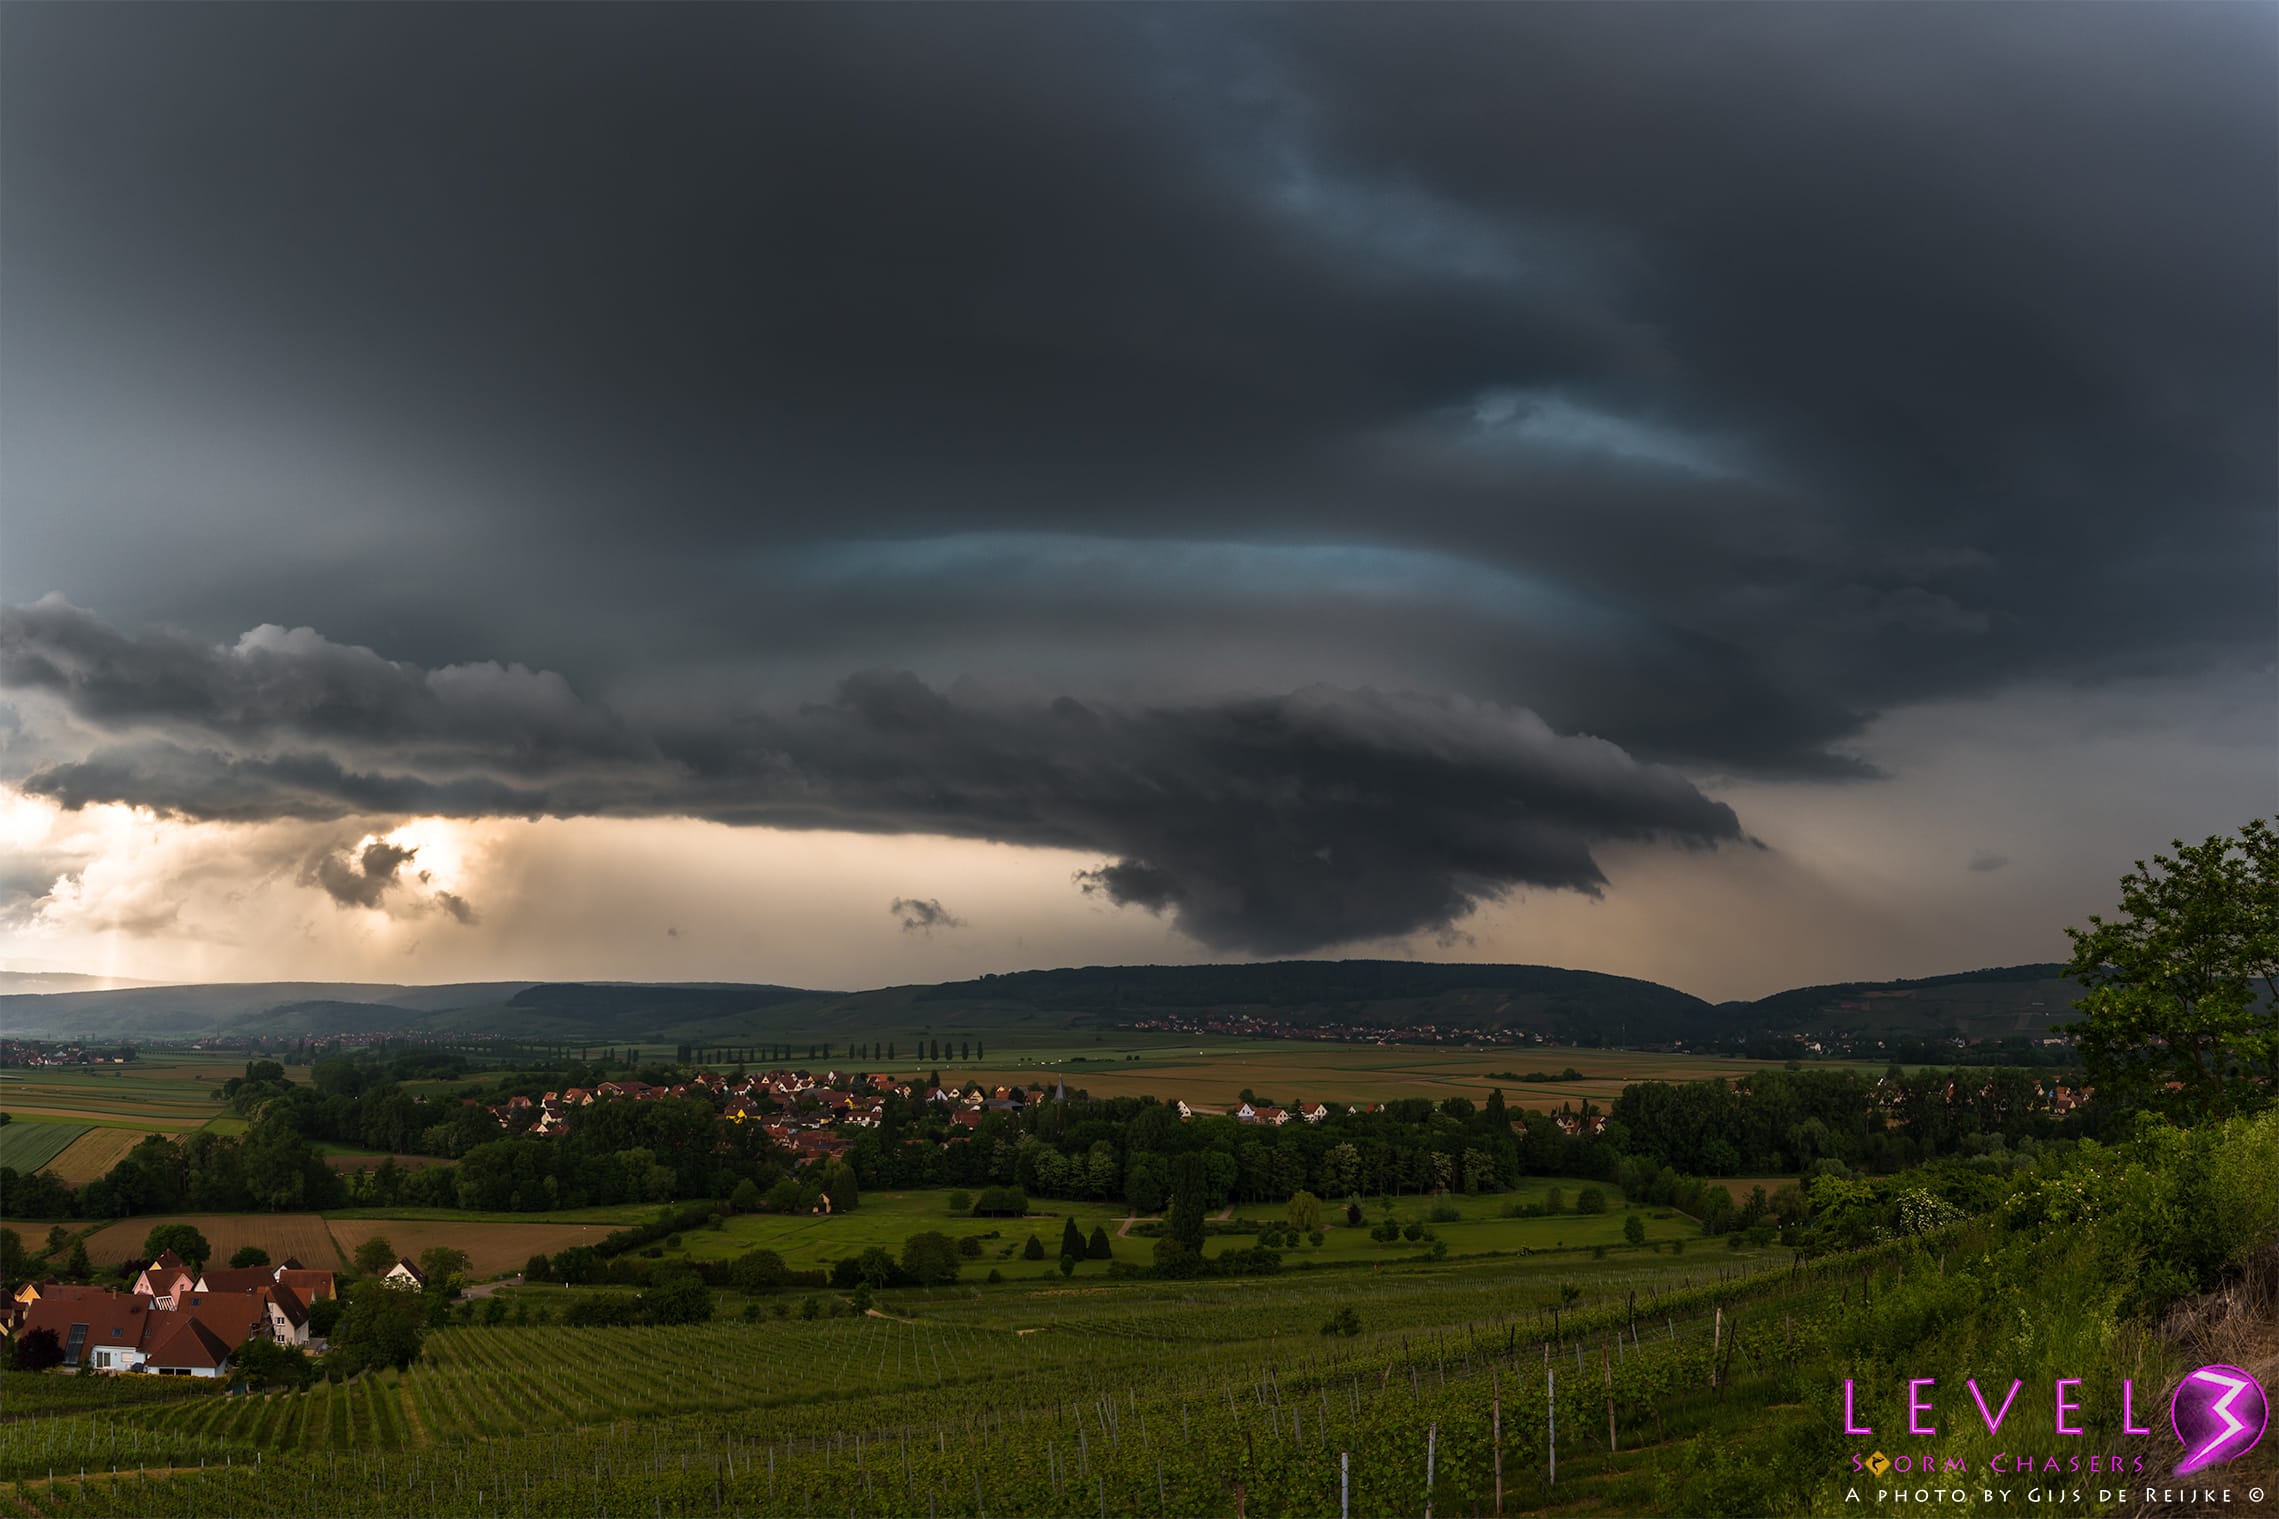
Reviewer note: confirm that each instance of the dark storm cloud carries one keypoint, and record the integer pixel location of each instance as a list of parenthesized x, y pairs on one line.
[(1704, 378), (923, 915), (1267, 823), (359, 878)]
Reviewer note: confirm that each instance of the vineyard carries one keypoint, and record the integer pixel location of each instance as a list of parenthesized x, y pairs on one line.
[(1205, 1399)]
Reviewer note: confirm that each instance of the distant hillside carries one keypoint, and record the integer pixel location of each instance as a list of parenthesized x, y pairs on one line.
[(1375, 997), (1313, 993), (187, 1012), (2009, 1002)]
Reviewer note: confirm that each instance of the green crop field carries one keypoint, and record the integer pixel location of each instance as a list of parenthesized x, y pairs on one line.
[(27, 1145), (887, 1218), (166, 1094)]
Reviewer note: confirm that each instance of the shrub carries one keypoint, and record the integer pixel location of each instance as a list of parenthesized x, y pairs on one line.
[(969, 1246), (1316, 1237), (1445, 1213), (1590, 1200), (1034, 1250), (961, 1202), (1344, 1321)]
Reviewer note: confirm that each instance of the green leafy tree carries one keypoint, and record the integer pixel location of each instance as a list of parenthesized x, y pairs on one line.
[(1590, 1200), (1034, 1250), (79, 1268), (1068, 1265), (930, 1259), (1097, 1246), (249, 1256), (183, 1239), (1634, 1229), (375, 1256), (12, 1258), (381, 1327), (1071, 1240), (2182, 1010), (746, 1196), (1305, 1211), (441, 1264)]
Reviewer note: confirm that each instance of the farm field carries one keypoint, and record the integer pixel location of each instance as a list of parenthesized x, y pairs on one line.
[(491, 1248), (281, 1234), (1212, 1073), (29, 1145), (168, 1093), (92, 1154)]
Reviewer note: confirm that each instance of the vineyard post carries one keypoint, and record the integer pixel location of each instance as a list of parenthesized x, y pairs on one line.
[(1431, 1449), (1496, 1426), (1551, 1424), (1606, 1362), (1716, 1341), (1344, 1484)]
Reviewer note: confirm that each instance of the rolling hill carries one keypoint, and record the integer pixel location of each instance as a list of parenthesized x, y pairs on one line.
[(1565, 1006)]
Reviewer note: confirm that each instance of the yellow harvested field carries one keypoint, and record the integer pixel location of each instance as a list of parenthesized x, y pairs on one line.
[(92, 1154), (301, 1235), (491, 1248)]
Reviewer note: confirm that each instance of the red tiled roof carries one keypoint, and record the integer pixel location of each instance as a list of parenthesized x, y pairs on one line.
[(192, 1344)]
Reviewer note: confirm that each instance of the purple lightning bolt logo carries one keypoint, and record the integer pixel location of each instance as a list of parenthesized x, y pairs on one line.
[(2219, 1412)]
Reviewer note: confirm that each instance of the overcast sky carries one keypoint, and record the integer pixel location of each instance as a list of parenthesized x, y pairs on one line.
[(1739, 495)]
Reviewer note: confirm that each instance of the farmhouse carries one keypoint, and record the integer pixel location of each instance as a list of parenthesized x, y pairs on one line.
[(193, 1337), (403, 1274), (165, 1279)]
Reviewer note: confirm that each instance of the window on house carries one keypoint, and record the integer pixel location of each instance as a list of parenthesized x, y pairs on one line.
[(76, 1343)]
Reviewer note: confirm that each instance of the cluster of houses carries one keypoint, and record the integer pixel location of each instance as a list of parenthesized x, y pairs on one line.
[(800, 1109), (2048, 1096), (176, 1322)]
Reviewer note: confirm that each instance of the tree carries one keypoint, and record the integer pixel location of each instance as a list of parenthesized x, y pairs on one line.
[(1034, 1250), (1098, 1247), (1590, 1200), (381, 1327), (2182, 1011), (677, 1297), (263, 1362), (1068, 1265), (1184, 1220), (12, 1261), (930, 1259), (79, 1267), (183, 1239), (1634, 1229), (375, 1256), (746, 1196), (249, 1255), (1071, 1240), (440, 1263), (36, 1350), (839, 1186), (1305, 1211)]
